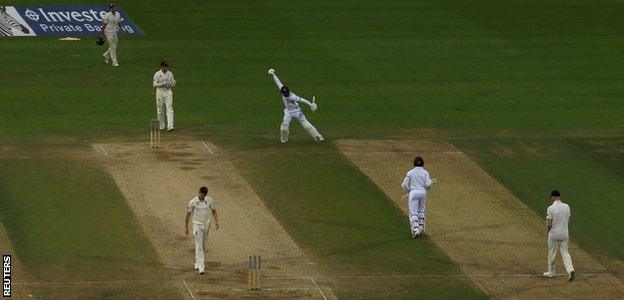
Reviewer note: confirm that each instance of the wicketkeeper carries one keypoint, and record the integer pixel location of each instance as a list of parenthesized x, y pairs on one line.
[(292, 110), (163, 82)]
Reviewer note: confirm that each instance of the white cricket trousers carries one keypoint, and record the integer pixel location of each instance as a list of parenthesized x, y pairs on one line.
[(417, 209), (201, 236), (111, 53), (164, 102), (562, 245), (297, 114)]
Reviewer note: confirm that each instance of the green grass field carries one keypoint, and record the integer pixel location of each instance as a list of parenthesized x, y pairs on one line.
[(68, 222), (588, 171), (342, 219), (481, 74)]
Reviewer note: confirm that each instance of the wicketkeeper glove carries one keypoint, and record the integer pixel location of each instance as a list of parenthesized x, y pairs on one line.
[(100, 41)]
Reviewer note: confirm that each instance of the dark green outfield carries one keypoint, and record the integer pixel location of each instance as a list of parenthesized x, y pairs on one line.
[(388, 66), (404, 69), (588, 172), (68, 222)]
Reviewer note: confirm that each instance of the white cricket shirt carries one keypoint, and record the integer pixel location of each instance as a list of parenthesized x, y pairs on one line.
[(291, 103), (112, 21), (201, 210), (417, 180), (160, 77), (559, 213)]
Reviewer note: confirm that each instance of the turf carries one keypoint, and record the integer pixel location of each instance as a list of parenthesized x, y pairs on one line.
[(379, 69), (605, 152), (587, 172), (68, 222), (374, 65), (344, 222)]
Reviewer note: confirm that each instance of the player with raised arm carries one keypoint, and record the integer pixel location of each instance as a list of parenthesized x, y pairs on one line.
[(292, 110)]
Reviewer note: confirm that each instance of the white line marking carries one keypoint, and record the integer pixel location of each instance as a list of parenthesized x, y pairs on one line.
[(188, 289), (80, 282), (43, 156), (263, 290), (207, 148), (319, 278), (103, 150), (423, 276), (318, 288), (360, 152)]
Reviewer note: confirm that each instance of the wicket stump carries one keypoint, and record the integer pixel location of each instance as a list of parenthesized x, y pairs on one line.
[(154, 133), (253, 276)]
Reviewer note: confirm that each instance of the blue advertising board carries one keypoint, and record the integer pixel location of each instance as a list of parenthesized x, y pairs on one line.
[(59, 20)]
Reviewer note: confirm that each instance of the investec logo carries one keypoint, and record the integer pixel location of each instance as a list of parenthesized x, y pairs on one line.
[(65, 16), (71, 20)]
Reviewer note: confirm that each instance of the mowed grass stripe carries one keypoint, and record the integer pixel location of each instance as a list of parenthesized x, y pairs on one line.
[(530, 168), (542, 67), (607, 152), (68, 222), (477, 222), (343, 221)]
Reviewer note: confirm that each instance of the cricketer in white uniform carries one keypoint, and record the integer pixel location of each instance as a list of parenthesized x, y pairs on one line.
[(416, 183), (110, 26), (163, 82), (292, 110), (557, 218), (200, 208)]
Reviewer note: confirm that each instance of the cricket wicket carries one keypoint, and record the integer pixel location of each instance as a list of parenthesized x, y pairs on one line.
[(253, 276), (154, 133)]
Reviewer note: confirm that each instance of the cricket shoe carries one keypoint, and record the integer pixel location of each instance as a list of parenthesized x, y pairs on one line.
[(171, 129), (105, 58), (319, 138), (571, 276), (115, 64), (202, 272), (415, 234), (548, 274)]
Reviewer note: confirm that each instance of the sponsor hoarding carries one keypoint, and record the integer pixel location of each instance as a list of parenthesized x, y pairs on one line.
[(59, 20)]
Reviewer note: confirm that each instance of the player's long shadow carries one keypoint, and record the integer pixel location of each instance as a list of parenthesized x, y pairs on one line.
[(365, 247), (359, 226), (118, 260), (356, 247)]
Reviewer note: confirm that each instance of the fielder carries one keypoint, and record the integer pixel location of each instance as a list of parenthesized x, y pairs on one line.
[(292, 110), (110, 25), (416, 184), (163, 82), (557, 217), (200, 208)]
